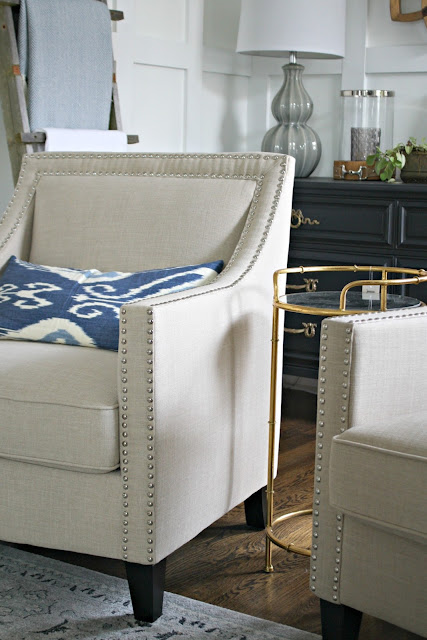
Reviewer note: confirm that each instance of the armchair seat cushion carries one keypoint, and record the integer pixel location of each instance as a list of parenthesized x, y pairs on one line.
[(366, 459), (59, 406)]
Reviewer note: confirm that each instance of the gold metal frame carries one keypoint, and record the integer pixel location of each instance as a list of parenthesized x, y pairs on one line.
[(417, 277), (398, 15)]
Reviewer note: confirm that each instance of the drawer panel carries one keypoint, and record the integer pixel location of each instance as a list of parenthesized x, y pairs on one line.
[(326, 219), (330, 281), (412, 224)]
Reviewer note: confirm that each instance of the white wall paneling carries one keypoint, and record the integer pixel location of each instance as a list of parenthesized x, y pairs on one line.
[(410, 103), (158, 48), (231, 93), (224, 106), (353, 71), (397, 59), (221, 23), (165, 19), (166, 130), (182, 87), (225, 100)]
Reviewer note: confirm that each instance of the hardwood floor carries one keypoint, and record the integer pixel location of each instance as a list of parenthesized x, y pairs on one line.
[(224, 564)]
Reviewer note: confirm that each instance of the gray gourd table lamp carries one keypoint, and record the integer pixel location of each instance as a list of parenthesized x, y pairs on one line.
[(278, 28)]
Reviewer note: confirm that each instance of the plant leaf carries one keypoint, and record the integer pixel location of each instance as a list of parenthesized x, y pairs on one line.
[(388, 171), (380, 165)]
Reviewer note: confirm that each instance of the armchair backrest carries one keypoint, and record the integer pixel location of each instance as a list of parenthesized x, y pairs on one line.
[(137, 211)]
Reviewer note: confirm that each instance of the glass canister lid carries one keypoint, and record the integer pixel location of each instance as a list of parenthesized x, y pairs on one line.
[(367, 93)]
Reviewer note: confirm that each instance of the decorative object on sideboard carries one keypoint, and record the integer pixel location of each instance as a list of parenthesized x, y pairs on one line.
[(409, 158), (397, 14), (276, 29), (415, 169), (367, 123)]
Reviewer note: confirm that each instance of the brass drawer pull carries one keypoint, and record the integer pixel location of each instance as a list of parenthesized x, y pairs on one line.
[(309, 329), (310, 285), (297, 219)]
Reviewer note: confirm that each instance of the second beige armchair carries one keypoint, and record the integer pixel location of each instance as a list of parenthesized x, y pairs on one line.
[(369, 549)]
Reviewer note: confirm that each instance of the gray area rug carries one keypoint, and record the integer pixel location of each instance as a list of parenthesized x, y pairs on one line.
[(44, 598)]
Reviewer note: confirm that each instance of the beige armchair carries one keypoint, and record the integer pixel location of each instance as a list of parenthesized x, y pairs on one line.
[(369, 549), (131, 454)]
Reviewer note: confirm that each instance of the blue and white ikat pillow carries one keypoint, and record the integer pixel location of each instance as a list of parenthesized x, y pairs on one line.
[(76, 307)]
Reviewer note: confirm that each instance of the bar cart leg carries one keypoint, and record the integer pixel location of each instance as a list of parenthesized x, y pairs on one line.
[(272, 436)]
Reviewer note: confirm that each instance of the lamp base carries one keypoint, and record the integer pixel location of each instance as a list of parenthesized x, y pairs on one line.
[(292, 107), (297, 140)]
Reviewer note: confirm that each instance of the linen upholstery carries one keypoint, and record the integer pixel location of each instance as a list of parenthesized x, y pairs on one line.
[(195, 220), (383, 457), (193, 367), (60, 509), (369, 533), (59, 406)]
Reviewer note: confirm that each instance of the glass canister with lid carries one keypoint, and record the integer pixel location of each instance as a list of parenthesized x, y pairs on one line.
[(367, 122)]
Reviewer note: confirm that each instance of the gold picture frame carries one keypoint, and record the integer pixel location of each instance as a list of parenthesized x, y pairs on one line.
[(398, 16)]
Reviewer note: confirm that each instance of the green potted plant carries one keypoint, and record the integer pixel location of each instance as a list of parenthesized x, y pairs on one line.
[(410, 158)]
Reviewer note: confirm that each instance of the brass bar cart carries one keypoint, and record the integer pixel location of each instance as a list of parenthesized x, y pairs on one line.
[(323, 303)]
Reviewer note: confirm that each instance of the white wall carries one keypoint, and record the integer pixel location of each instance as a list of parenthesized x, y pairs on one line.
[(183, 88)]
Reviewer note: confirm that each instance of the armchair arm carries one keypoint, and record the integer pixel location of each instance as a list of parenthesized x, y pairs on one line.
[(194, 391), (373, 369)]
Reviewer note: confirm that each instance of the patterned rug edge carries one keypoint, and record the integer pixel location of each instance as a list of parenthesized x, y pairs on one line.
[(101, 610)]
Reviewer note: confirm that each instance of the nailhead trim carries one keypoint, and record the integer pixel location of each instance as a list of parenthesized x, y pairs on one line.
[(343, 427), (124, 433), (22, 212), (322, 402)]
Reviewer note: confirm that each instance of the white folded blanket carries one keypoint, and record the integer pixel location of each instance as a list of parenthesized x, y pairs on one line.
[(85, 140)]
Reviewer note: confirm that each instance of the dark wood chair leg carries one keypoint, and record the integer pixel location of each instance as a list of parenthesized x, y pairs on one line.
[(339, 622), (146, 586), (256, 509)]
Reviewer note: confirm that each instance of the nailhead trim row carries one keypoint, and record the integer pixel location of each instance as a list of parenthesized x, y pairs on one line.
[(150, 435), (22, 212), (124, 433), (319, 457), (150, 438)]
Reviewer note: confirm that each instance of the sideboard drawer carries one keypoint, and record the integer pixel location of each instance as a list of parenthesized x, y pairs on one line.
[(330, 280), (325, 219), (412, 224)]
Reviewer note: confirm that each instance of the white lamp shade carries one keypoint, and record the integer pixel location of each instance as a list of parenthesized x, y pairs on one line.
[(312, 28)]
